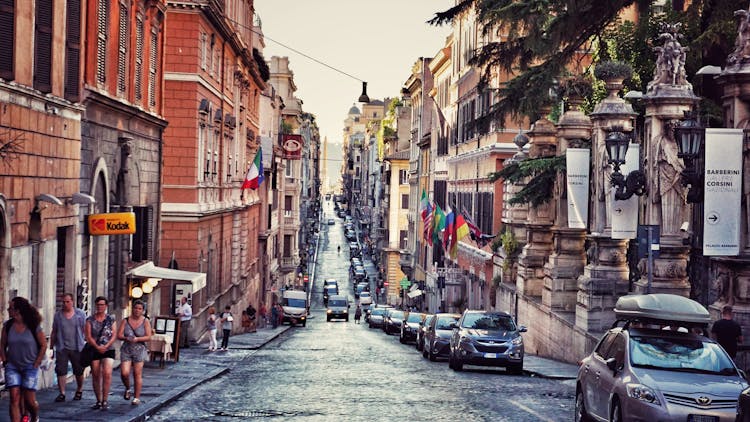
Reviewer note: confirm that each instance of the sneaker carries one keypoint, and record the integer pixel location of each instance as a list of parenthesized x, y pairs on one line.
[(136, 401), (105, 405)]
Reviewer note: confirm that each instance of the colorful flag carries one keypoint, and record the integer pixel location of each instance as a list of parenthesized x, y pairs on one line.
[(450, 219), (254, 176), (424, 205), (438, 222), (428, 225), (477, 236), (460, 231)]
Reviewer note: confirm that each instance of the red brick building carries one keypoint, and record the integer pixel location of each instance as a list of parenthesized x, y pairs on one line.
[(213, 85)]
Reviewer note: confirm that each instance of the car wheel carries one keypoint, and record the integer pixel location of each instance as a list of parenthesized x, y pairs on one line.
[(304, 324), (450, 360), (369, 325), (328, 319), (581, 414), (401, 339), (616, 412), (347, 319), (515, 369), (432, 355), (424, 353)]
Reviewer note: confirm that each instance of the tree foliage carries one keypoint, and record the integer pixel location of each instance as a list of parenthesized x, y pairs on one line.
[(538, 173)]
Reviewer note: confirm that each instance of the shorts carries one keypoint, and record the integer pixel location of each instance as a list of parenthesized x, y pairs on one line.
[(109, 354), (62, 357), (130, 352), (27, 378)]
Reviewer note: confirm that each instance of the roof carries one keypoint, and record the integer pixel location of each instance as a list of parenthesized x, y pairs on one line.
[(662, 307), (354, 110)]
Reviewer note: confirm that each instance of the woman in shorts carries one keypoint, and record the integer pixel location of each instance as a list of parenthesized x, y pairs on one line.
[(23, 346), (134, 332), (100, 334)]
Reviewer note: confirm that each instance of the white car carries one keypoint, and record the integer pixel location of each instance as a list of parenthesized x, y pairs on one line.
[(365, 298)]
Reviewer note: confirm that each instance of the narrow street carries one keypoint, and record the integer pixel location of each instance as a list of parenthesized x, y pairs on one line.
[(343, 371)]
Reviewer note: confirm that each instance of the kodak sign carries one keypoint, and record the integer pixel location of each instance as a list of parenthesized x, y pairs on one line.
[(111, 223)]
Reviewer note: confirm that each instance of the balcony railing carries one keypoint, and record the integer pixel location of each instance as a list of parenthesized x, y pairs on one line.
[(288, 263)]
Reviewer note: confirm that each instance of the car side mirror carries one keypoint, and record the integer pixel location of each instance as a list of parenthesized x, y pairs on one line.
[(611, 364), (743, 374), (522, 329)]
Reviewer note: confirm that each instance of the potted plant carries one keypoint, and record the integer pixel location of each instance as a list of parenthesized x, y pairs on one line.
[(611, 71), (577, 88)]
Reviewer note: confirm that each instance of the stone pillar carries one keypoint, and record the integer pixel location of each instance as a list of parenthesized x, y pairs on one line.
[(568, 258), (731, 275), (668, 96), (539, 221), (514, 216), (605, 276)]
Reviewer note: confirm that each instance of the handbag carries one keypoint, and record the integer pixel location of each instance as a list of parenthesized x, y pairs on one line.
[(87, 353)]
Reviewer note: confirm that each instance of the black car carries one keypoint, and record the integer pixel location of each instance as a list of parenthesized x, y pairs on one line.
[(438, 336), (410, 326), (419, 343), (376, 316), (392, 321), (329, 291), (743, 406), (487, 339)]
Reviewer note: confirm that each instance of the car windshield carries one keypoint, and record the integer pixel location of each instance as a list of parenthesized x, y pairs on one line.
[(364, 294), (397, 314), (444, 322), (295, 303), (480, 321), (332, 290), (376, 312), (681, 354), (414, 317), (337, 302)]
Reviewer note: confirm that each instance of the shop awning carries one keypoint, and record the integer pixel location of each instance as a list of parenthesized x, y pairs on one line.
[(149, 270), (415, 293)]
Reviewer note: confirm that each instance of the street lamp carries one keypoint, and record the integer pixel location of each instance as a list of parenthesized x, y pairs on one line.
[(689, 135), (616, 144)]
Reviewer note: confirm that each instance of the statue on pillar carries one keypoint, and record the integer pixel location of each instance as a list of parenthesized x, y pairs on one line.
[(670, 60), (668, 190), (741, 53)]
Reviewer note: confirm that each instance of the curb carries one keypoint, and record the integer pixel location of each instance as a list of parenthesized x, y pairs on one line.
[(169, 397), (549, 377)]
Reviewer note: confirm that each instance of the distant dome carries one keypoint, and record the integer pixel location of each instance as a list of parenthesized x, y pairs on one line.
[(354, 110)]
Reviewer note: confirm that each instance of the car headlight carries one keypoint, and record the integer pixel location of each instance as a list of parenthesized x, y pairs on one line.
[(465, 340), (328, 311), (642, 392), (517, 341)]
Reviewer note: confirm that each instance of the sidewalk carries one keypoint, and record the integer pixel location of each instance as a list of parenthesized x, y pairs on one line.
[(160, 385), (548, 368)]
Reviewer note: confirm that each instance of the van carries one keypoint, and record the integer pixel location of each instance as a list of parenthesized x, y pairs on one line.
[(338, 307), (294, 304), (654, 364)]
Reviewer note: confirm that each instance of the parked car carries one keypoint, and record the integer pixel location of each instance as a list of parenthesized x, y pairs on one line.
[(331, 222), (487, 338), (743, 406), (328, 292), (644, 372), (376, 316), (365, 298), (419, 343), (338, 308), (330, 282), (437, 336), (392, 321), (361, 287), (410, 326), (359, 275)]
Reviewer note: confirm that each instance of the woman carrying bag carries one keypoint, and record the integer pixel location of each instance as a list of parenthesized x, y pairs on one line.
[(135, 331), (100, 335)]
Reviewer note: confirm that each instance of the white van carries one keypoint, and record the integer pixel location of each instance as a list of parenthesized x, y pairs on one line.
[(294, 303), (338, 307)]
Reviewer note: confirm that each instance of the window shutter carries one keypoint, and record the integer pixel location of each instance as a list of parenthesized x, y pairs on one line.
[(138, 58), (122, 49), (73, 50), (43, 46), (101, 41), (143, 238), (153, 67), (7, 32)]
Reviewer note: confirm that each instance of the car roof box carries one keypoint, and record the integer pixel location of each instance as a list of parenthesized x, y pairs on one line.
[(661, 307)]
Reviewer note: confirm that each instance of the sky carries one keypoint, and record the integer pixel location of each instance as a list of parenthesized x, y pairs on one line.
[(377, 41)]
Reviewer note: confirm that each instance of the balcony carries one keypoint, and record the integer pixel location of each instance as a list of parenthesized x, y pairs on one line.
[(287, 264), (406, 262)]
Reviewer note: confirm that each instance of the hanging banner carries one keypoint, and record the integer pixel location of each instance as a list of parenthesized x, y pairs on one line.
[(625, 213), (577, 181), (292, 146), (722, 192)]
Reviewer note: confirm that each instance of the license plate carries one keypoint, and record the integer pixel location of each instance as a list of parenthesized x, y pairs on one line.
[(490, 355), (702, 418)]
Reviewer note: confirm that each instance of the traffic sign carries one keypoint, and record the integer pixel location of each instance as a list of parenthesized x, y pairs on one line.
[(385, 283)]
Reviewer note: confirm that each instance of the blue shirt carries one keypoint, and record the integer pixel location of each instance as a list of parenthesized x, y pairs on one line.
[(80, 321)]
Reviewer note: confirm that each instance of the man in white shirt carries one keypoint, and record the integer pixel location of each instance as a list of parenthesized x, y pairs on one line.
[(185, 312)]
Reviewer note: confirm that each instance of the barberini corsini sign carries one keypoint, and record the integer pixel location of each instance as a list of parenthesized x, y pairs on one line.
[(577, 180), (722, 192)]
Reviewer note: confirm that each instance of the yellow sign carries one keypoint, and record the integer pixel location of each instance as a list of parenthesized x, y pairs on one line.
[(112, 223)]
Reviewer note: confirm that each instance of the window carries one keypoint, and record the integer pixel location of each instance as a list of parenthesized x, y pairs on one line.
[(153, 67), (403, 239), (405, 201), (485, 208), (440, 188), (288, 169), (7, 33), (72, 50), (143, 238), (122, 49), (403, 177), (43, 46), (288, 245), (101, 40), (204, 48), (139, 58), (288, 200)]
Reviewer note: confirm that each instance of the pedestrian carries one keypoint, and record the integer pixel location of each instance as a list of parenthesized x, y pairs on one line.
[(274, 316), (67, 340), (251, 314), (226, 327), (262, 315), (100, 334), (134, 332), (23, 347), (245, 321), (185, 312), (211, 328), (280, 314), (357, 314), (727, 332)]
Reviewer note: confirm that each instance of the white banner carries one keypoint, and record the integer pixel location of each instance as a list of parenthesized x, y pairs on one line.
[(577, 180), (722, 192), (625, 213)]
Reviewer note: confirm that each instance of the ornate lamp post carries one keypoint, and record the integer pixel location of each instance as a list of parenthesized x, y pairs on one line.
[(617, 144), (689, 135)]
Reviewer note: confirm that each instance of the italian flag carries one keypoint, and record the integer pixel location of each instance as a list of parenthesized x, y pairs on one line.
[(254, 176)]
